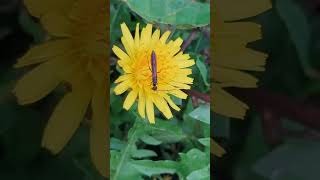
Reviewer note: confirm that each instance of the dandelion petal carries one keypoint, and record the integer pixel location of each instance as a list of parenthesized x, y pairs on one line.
[(226, 104), (99, 132), (171, 103), (142, 104), (163, 107), (38, 83), (164, 37), (121, 88), (132, 96), (150, 110), (66, 119), (122, 55), (43, 52)]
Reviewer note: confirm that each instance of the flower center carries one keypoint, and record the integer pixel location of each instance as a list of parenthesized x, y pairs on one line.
[(143, 74)]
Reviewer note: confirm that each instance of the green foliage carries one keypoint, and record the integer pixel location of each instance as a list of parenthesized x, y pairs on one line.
[(298, 28), (304, 158), (173, 12), (201, 113), (203, 70), (133, 162), (179, 147)]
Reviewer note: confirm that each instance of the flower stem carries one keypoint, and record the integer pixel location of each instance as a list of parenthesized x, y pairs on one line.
[(189, 40), (125, 153)]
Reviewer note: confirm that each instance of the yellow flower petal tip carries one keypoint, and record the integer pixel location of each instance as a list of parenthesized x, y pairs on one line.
[(172, 71), (231, 55)]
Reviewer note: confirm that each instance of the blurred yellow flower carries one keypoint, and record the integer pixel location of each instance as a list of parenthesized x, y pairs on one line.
[(232, 57), (230, 54), (76, 54), (172, 71)]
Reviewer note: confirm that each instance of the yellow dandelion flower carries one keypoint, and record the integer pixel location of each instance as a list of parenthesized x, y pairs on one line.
[(172, 71), (75, 54), (231, 56)]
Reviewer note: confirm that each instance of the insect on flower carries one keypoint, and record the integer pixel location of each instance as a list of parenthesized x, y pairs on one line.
[(154, 70), (154, 75)]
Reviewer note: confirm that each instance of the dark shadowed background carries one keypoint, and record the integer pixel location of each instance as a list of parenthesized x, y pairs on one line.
[(279, 138)]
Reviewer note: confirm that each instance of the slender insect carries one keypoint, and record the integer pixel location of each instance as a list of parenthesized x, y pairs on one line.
[(154, 71), (154, 74)]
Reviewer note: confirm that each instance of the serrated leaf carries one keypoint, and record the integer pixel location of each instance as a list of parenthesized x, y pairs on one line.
[(193, 160), (181, 13), (120, 168), (201, 113)]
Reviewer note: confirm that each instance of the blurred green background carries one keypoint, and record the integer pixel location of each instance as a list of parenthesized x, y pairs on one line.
[(279, 138), (167, 150)]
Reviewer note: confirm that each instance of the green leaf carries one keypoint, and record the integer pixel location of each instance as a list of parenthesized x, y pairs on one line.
[(253, 149), (120, 169), (143, 153), (149, 168), (201, 174), (150, 140), (193, 160), (116, 103), (126, 171), (303, 153), (180, 13), (188, 122), (205, 141), (176, 100), (203, 71), (298, 27), (119, 13), (166, 131), (201, 113), (116, 144)]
